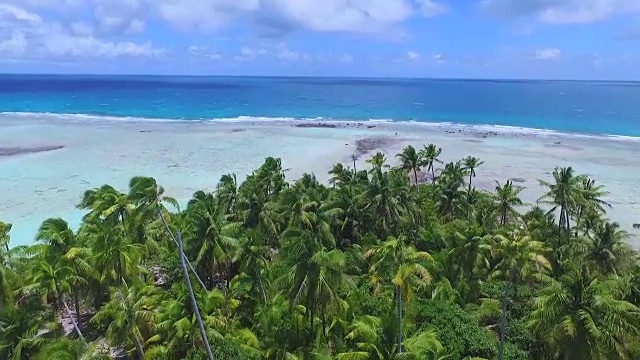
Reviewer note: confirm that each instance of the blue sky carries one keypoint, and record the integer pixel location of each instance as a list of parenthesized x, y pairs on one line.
[(568, 39)]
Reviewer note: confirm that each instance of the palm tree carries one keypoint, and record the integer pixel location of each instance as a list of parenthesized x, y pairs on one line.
[(400, 264), (340, 175), (581, 316), (20, 329), (470, 164), (590, 201), (69, 349), (63, 250), (5, 229), (429, 155), (382, 201), (410, 161), (129, 317), (377, 161), (206, 237), (107, 203), (316, 273), (506, 199), (608, 248), (227, 191), (519, 258), (116, 259), (5, 270), (564, 194)]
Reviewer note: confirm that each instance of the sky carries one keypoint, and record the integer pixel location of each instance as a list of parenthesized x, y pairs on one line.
[(530, 39)]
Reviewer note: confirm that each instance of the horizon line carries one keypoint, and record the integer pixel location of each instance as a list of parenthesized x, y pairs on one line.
[(322, 77)]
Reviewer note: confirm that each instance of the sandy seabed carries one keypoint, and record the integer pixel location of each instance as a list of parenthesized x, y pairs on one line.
[(46, 165)]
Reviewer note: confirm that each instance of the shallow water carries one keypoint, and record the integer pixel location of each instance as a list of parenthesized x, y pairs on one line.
[(188, 156)]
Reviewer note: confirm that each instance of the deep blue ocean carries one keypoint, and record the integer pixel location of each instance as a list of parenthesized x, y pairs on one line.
[(568, 106)]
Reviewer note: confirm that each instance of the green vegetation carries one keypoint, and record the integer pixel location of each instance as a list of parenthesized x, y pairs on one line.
[(376, 265)]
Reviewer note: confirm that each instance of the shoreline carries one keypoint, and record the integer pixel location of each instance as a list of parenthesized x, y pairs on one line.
[(186, 156), (320, 122)]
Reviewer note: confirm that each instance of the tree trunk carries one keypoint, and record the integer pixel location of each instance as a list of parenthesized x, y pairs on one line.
[(76, 303), (503, 321), (354, 165), (415, 176), (139, 347), (73, 321), (399, 303), (324, 322), (194, 304), (433, 175)]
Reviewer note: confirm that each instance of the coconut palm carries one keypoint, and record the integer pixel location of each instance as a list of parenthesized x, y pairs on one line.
[(5, 238), (470, 164), (115, 257), (394, 262), (506, 199), (207, 239), (5, 270), (227, 192), (340, 175), (377, 161), (410, 161), (581, 316), (70, 349), (315, 275), (129, 318), (21, 330), (382, 201), (518, 259), (608, 249), (564, 194), (429, 156)]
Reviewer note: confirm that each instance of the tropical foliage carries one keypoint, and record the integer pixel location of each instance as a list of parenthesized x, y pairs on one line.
[(377, 264)]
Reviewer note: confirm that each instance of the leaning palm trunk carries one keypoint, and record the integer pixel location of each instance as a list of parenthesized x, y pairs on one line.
[(182, 254), (399, 303), (185, 272), (139, 347), (73, 321)]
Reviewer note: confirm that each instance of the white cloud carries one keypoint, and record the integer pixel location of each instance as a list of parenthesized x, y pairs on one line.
[(248, 53), (412, 55), (285, 54), (204, 51), (548, 54), (346, 58), (61, 44), (561, 11), (439, 58), (10, 14), (33, 37), (431, 8), (16, 44)]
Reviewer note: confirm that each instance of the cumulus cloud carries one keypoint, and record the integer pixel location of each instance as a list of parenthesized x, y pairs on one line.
[(412, 55), (560, 11), (271, 16), (548, 54), (204, 51), (25, 34), (439, 58), (431, 8)]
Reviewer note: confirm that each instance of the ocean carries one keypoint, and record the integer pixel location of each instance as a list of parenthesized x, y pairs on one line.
[(611, 108)]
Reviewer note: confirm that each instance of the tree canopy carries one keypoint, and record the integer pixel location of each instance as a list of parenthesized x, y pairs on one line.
[(376, 264)]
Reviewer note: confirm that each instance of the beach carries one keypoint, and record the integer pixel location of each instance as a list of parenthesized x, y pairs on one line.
[(47, 163)]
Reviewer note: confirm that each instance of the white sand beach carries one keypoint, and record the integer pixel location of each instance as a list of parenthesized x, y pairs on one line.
[(46, 164)]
